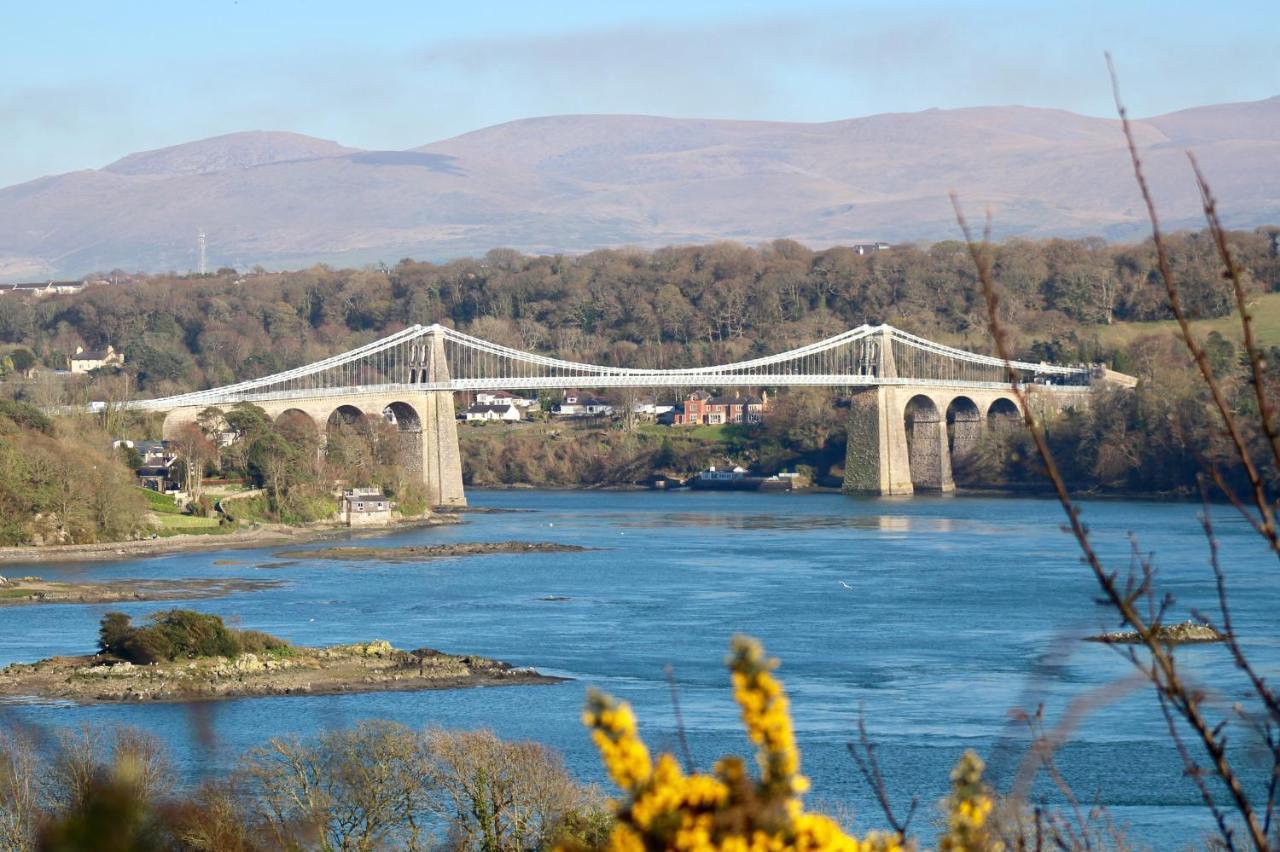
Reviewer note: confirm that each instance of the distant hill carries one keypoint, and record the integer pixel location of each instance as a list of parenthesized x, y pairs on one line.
[(575, 183)]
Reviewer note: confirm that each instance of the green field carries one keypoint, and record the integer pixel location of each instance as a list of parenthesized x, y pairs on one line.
[(190, 525), (699, 433), (1266, 326), (161, 503)]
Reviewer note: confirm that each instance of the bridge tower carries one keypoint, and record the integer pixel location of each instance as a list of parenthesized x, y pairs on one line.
[(877, 461), (441, 456)]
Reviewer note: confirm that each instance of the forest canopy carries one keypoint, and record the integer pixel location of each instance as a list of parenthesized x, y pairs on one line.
[(672, 307)]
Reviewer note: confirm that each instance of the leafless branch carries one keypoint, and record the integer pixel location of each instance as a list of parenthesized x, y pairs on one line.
[(680, 729), (1266, 415), (1266, 516), (864, 755), (1162, 669)]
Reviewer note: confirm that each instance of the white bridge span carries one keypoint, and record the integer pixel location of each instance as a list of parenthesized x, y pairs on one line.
[(914, 403), (436, 358)]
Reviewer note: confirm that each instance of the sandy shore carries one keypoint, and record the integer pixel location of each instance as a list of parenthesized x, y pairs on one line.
[(371, 667), (264, 535)]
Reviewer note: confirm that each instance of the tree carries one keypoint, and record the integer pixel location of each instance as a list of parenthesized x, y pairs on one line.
[(360, 788), (500, 795), (196, 451)]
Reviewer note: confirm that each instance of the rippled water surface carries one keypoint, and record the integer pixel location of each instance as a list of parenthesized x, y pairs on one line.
[(959, 609)]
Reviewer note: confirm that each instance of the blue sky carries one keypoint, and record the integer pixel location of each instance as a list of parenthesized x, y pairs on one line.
[(83, 83)]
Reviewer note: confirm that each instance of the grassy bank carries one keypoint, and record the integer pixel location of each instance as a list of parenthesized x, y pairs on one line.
[(1264, 309)]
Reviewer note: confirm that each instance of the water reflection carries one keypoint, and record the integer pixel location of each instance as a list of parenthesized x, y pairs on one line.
[(803, 523)]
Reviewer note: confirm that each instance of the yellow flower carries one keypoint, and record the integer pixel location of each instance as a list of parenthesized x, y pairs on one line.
[(727, 811), (968, 807)]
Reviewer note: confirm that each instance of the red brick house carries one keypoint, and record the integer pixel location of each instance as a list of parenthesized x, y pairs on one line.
[(703, 409)]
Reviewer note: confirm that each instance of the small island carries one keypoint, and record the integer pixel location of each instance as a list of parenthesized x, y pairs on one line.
[(1186, 633), (181, 655), (417, 553), (15, 591)]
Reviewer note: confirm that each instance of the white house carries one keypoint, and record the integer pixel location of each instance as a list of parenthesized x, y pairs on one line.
[(578, 404), (651, 408), (85, 360), (504, 398), (503, 411)]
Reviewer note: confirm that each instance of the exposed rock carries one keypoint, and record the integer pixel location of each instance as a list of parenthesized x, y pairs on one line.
[(39, 590), (249, 663), (359, 667), (417, 553), (1186, 633)]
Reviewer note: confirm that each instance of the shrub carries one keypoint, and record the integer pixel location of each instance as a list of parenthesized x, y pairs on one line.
[(178, 633), (26, 416), (257, 642)]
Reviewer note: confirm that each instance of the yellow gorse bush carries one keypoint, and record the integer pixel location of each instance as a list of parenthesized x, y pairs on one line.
[(968, 809), (728, 810)]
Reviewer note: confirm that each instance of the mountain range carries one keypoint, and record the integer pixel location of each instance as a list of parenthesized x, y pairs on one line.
[(578, 182)]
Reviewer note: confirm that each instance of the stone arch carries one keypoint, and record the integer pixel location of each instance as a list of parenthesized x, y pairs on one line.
[(1003, 413), (345, 414), (292, 414), (927, 451), (409, 434), (298, 422), (964, 426), (404, 416)]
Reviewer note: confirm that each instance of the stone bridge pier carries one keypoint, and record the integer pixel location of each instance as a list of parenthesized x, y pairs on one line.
[(428, 432), (902, 438)]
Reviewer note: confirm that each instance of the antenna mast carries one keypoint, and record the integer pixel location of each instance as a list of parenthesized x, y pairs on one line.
[(203, 264)]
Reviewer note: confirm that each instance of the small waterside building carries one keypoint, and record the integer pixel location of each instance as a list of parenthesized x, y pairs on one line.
[(364, 508)]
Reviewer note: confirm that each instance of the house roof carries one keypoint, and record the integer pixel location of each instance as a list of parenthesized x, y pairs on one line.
[(734, 400), (483, 409), (158, 472)]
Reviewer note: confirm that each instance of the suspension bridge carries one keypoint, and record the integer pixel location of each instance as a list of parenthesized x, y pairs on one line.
[(915, 402)]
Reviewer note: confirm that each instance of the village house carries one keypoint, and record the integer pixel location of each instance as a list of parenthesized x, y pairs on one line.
[(156, 469), (506, 411), (577, 404), (669, 418), (157, 478), (650, 408), (703, 409), (86, 360), (362, 507), (504, 398)]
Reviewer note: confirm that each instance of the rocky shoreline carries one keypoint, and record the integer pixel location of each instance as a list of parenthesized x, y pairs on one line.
[(370, 667), (265, 535), (418, 553), (19, 591)]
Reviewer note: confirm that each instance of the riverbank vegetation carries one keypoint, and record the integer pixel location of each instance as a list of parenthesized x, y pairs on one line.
[(378, 785), (59, 483)]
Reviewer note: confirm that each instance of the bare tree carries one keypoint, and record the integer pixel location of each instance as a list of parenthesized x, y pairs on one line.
[(357, 789), (498, 795), (20, 795)]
